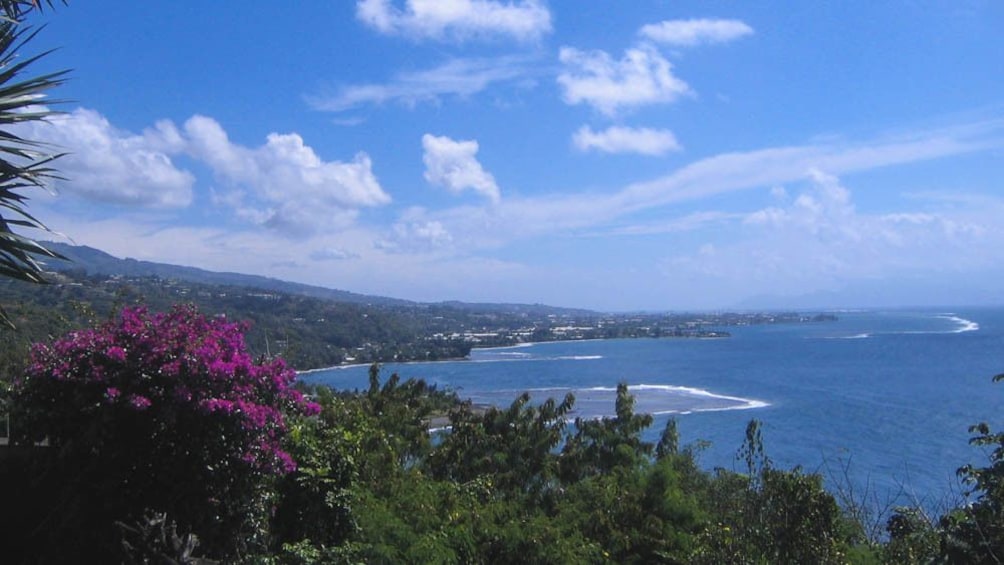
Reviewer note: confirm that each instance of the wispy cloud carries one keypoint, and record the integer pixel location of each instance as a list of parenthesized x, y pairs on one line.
[(820, 240), (641, 77), (694, 32), (333, 254), (524, 20), (767, 167), (688, 223), (618, 139), (453, 165), (457, 77), (518, 218)]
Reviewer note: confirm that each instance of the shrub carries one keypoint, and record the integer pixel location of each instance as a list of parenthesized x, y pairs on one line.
[(158, 412)]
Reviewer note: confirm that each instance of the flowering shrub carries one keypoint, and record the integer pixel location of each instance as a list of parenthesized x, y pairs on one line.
[(169, 366), (167, 412)]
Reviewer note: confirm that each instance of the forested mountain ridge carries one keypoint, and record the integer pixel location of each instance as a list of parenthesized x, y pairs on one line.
[(97, 262), (313, 327)]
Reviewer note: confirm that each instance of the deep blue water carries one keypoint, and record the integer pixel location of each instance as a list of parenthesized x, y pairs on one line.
[(890, 394)]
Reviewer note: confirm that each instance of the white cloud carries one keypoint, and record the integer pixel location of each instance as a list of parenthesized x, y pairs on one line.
[(825, 211), (282, 183), (619, 139), (420, 236), (642, 77), (693, 32), (457, 19), (688, 223), (729, 172), (778, 192), (810, 236), (285, 184), (457, 77), (106, 164), (520, 218), (820, 240), (453, 165), (333, 254)]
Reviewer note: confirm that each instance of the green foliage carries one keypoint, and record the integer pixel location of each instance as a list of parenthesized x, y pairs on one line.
[(974, 533), (154, 538), (308, 332), (355, 457), (512, 447), (913, 540), (599, 446), (770, 515), (636, 515), (312, 510)]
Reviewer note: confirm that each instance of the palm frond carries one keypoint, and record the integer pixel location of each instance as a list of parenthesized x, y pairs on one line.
[(15, 10), (25, 163)]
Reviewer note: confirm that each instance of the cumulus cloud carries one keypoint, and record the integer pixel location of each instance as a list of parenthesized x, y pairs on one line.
[(453, 165), (107, 164), (417, 236), (827, 208), (457, 77), (457, 19), (693, 32), (282, 183), (642, 77), (619, 139)]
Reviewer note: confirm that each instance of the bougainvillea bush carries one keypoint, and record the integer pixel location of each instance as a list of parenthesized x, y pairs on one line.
[(161, 412)]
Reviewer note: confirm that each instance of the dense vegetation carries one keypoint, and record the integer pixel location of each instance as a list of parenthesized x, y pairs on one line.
[(308, 332), (155, 438), (312, 332)]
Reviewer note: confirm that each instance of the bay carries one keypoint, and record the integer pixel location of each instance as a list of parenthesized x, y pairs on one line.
[(879, 401)]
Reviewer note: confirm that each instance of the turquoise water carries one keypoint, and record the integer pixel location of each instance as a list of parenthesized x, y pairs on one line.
[(888, 394)]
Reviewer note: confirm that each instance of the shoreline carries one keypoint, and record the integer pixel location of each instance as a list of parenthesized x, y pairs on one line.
[(498, 347)]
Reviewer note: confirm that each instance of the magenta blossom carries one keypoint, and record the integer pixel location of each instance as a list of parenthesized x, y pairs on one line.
[(139, 402), (177, 367), (116, 353)]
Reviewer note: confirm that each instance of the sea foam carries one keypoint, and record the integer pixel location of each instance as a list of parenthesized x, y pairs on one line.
[(654, 399)]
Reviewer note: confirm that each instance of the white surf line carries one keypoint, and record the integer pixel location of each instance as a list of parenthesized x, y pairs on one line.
[(964, 324)]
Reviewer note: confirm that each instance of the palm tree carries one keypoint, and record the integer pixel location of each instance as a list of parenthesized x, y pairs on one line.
[(24, 163)]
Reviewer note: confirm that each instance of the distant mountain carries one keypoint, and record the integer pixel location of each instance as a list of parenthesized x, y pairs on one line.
[(96, 262), (530, 310), (888, 293)]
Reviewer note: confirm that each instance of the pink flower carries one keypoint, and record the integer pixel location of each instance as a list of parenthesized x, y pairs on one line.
[(139, 402), (116, 353), (167, 366)]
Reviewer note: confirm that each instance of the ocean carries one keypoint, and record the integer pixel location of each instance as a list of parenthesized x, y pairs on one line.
[(879, 401)]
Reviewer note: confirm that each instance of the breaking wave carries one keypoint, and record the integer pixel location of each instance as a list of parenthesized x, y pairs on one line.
[(654, 399)]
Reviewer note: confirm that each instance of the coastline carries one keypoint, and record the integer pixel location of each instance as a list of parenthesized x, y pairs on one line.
[(523, 344)]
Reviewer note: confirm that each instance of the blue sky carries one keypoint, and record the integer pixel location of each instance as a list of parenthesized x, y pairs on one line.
[(603, 154)]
